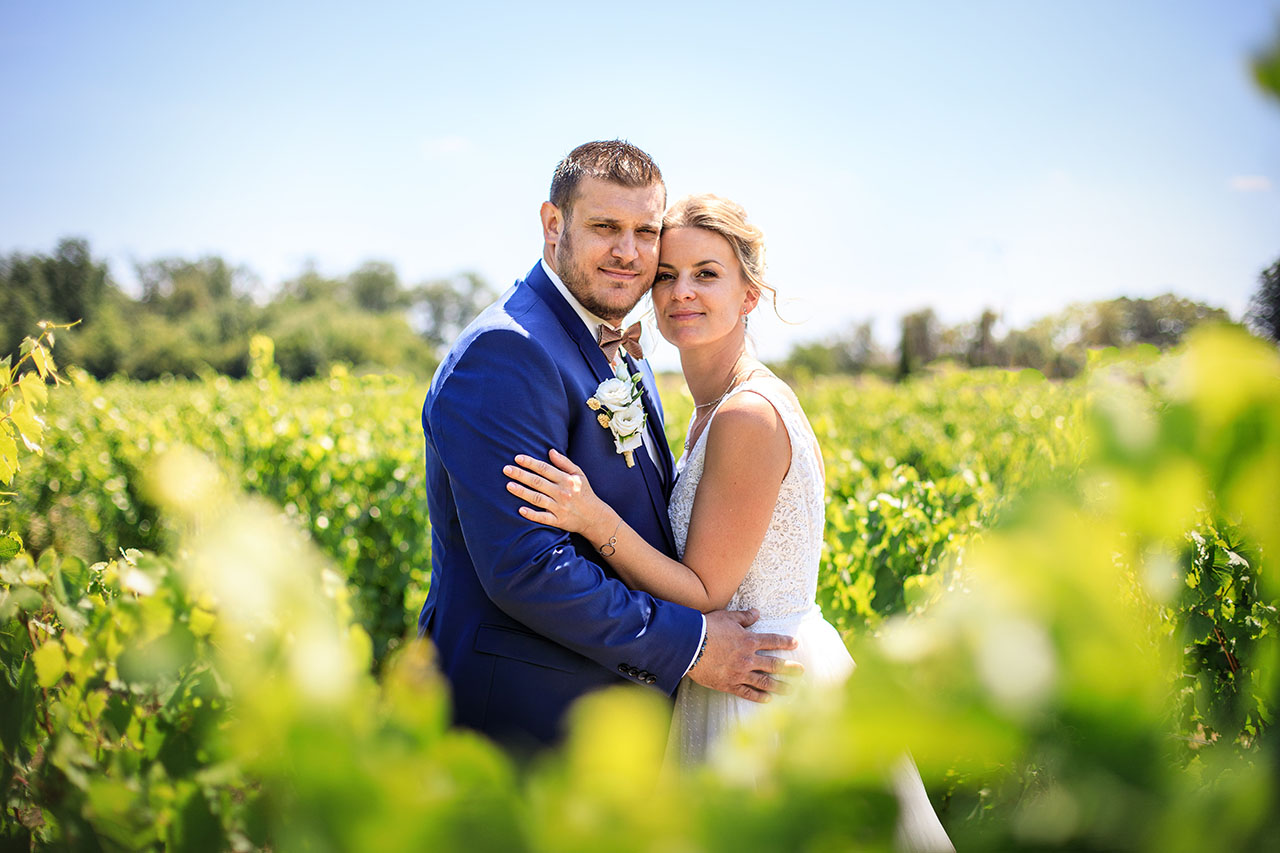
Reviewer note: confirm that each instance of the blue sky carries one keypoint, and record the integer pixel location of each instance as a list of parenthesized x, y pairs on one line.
[(1016, 155)]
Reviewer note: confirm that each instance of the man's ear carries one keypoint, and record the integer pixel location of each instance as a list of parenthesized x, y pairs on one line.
[(552, 224)]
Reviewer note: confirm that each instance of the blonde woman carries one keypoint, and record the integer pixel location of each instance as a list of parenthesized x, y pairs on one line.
[(747, 507)]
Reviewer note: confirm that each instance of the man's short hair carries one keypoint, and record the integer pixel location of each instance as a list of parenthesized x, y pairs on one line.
[(614, 160)]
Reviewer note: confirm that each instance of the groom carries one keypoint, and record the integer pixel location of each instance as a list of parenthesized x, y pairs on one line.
[(526, 618)]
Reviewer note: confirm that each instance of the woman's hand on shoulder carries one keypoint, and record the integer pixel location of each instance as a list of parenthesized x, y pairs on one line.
[(560, 496)]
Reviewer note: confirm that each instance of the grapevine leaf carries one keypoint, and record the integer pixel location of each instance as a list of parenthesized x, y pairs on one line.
[(8, 457), (1199, 627), (43, 361), (33, 390), (9, 546), (51, 663), (30, 427), (196, 827), (117, 714), (17, 708)]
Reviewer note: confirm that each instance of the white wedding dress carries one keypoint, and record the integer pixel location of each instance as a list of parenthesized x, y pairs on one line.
[(782, 584)]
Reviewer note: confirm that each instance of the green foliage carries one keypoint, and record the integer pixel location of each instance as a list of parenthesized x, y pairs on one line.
[(23, 395), (1058, 595), (1264, 305), (918, 344), (853, 351), (114, 714), (1225, 621), (1057, 346), (1266, 69), (197, 316), (913, 470), (341, 457), (313, 336), (65, 287)]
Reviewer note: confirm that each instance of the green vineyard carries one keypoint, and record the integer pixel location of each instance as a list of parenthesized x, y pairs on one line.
[(1061, 598)]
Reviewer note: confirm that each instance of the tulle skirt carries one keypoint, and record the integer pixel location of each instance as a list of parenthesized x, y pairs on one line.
[(706, 723), (704, 717)]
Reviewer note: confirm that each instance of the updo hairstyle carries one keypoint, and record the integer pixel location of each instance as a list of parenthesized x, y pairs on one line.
[(729, 220)]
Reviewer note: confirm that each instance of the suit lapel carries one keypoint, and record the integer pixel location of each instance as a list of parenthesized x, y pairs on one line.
[(571, 322), (594, 357), (653, 405)]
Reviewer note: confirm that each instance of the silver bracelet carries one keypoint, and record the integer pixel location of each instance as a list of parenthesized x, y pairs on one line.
[(613, 541)]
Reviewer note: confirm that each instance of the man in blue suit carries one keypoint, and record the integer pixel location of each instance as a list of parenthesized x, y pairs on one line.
[(527, 618)]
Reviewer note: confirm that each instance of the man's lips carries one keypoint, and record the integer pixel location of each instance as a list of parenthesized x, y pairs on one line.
[(620, 275)]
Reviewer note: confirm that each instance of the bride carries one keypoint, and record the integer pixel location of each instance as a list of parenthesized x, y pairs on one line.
[(747, 508)]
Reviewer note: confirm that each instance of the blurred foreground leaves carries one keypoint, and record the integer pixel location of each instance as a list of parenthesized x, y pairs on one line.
[(1084, 656)]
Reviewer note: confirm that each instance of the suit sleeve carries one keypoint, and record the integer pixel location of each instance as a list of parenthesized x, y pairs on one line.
[(504, 396)]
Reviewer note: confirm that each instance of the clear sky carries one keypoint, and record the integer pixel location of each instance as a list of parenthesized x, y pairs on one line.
[(1016, 155)]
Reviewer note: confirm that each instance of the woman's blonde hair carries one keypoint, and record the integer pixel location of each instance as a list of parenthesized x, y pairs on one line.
[(729, 220)]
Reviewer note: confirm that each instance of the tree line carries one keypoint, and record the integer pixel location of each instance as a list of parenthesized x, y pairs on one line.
[(198, 316), (1056, 345)]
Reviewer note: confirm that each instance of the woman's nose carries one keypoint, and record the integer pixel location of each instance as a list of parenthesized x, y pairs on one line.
[(682, 290)]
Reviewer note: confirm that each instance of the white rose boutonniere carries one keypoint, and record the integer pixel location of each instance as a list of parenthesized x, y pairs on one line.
[(620, 411), (615, 394)]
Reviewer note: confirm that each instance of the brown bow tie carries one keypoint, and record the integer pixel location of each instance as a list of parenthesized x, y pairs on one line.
[(629, 339)]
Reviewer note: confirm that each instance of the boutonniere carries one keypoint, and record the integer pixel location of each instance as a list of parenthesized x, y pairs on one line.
[(617, 402)]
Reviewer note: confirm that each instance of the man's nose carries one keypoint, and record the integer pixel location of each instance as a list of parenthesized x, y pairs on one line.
[(624, 249)]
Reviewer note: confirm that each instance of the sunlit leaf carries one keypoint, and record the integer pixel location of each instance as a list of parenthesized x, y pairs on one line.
[(33, 390), (50, 662), (42, 360), (8, 456), (10, 545), (30, 426)]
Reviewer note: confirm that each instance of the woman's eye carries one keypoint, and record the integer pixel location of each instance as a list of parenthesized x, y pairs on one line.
[(706, 274), (663, 276)]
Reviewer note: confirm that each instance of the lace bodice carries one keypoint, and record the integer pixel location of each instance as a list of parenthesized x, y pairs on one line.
[(782, 580)]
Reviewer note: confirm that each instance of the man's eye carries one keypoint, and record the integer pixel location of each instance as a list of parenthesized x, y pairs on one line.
[(604, 226)]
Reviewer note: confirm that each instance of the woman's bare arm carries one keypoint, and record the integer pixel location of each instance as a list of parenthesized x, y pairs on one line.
[(748, 454)]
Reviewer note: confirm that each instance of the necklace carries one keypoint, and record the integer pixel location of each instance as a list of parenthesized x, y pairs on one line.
[(712, 404)]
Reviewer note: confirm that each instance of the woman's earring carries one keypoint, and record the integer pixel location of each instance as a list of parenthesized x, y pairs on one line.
[(744, 320)]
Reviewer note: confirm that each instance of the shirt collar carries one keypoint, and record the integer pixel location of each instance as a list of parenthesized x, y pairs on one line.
[(591, 320)]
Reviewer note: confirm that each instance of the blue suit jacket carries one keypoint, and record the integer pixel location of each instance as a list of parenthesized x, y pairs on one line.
[(527, 618)]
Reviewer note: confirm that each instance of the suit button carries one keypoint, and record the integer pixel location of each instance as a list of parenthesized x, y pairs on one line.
[(652, 679), (633, 672), (622, 668)]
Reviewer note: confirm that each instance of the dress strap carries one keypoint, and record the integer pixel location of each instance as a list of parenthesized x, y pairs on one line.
[(793, 418)]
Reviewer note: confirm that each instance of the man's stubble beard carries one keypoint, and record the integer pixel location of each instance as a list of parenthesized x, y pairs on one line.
[(578, 283)]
